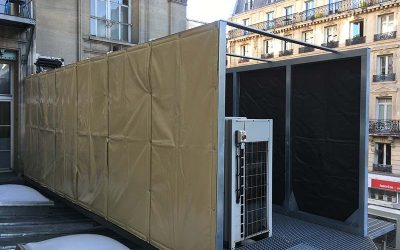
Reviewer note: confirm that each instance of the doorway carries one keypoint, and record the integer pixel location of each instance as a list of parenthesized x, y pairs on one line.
[(6, 116)]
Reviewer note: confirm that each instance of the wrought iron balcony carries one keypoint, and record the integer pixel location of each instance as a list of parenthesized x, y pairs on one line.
[(20, 10), (382, 168), (331, 44), (355, 40), (384, 78), (243, 60), (286, 52), (267, 56), (385, 36), (16, 12), (310, 15), (384, 127), (305, 49)]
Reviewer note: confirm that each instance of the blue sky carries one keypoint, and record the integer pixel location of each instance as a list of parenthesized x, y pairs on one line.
[(210, 10)]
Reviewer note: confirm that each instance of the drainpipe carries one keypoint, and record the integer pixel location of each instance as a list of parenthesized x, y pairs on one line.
[(169, 18), (79, 54)]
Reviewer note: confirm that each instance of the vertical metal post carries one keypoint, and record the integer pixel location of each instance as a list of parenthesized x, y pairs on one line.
[(288, 171), (219, 237), (363, 161), (236, 94)]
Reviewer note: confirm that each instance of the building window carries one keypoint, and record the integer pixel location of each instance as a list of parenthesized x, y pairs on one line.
[(270, 20), (331, 34), (5, 80), (288, 12), (386, 23), (357, 29), (286, 46), (383, 195), (384, 108), (308, 36), (110, 19), (268, 48), (333, 6), (244, 50), (309, 9), (385, 65), (246, 22), (248, 5), (383, 154)]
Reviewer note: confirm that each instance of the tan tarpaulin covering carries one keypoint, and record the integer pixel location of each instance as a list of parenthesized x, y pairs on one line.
[(130, 140), (132, 136), (92, 134), (66, 132)]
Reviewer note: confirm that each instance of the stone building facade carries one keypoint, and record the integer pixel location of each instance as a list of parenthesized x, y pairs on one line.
[(73, 30)]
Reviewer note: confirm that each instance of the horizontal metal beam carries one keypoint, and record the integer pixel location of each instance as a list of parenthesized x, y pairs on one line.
[(269, 34), (248, 57)]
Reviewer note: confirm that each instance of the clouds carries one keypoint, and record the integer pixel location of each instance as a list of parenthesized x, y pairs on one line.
[(210, 10)]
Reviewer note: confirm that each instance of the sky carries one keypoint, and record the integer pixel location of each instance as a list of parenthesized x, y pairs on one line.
[(210, 10)]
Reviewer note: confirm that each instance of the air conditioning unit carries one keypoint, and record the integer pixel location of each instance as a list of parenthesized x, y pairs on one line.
[(248, 180)]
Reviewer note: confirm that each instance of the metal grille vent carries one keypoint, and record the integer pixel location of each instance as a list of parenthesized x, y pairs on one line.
[(256, 188)]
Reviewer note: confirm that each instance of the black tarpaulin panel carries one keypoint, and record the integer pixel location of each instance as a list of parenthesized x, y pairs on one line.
[(229, 95), (262, 96), (325, 137)]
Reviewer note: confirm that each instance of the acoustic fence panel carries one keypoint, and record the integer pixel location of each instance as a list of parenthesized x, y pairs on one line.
[(326, 137), (263, 96), (66, 132), (132, 136), (92, 178), (130, 140), (320, 133)]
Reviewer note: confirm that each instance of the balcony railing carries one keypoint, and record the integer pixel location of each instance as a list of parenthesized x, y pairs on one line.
[(385, 36), (286, 52), (384, 127), (305, 49), (310, 15), (355, 40), (382, 168), (243, 60), (331, 44), (384, 78), (267, 56), (23, 10)]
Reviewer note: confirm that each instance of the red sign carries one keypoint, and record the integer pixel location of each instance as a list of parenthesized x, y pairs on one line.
[(387, 185)]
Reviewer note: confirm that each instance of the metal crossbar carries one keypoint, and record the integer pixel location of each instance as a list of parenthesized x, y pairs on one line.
[(272, 35), (248, 57)]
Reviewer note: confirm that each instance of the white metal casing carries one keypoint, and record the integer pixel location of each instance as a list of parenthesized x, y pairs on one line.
[(240, 131)]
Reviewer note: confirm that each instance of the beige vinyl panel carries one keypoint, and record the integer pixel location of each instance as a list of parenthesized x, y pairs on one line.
[(130, 137), (27, 161), (198, 139), (135, 137), (47, 132), (66, 132), (183, 77), (92, 79), (35, 167)]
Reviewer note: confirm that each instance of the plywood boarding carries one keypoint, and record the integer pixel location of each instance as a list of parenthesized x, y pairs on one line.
[(135, 137)]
